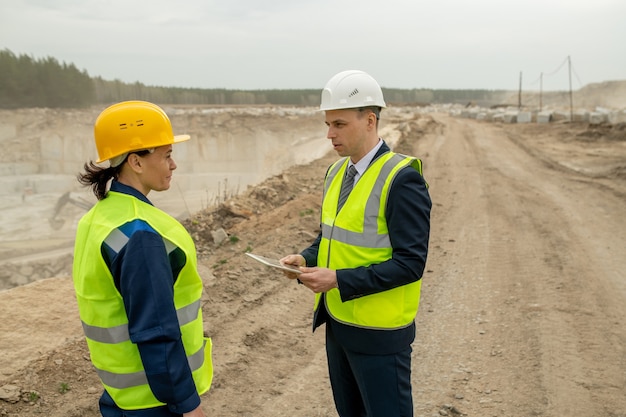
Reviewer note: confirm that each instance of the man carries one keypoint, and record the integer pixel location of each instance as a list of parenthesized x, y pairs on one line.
[(366, 264), (135, 274)]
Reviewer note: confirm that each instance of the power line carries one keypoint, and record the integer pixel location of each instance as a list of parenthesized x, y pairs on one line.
[(558, 69), (548, 74)]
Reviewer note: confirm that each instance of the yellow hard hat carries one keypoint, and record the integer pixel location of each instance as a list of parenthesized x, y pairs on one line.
[(131, 126)]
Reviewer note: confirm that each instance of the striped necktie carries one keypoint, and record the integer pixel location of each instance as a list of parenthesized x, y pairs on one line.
[(346, 186)]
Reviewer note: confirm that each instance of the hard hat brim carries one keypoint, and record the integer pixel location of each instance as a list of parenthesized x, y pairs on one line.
[(181, 138)]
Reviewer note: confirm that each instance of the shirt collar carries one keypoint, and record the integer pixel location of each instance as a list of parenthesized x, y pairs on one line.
[(118, 187), (364, 162)]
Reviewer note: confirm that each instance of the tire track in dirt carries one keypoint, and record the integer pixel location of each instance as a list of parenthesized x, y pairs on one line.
[(453, 353), (524, 273), (574, 291)]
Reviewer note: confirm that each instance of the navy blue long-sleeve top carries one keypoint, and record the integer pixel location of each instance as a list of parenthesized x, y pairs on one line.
[(144, 274), (408, 221)]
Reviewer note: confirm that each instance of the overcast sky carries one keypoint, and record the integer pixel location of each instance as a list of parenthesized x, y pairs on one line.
[(256, 44)]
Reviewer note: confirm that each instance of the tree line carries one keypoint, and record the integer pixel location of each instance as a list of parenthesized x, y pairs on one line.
[(27, 82)]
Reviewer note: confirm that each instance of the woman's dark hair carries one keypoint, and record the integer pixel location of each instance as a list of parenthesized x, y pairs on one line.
[(98, 177)]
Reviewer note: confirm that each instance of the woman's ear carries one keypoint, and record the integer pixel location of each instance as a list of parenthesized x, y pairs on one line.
[(134, 161)]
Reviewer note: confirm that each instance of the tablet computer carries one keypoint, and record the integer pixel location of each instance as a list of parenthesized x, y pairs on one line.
[(274, 263)]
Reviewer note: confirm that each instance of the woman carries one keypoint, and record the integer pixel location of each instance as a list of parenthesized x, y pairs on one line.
[(135, 274)]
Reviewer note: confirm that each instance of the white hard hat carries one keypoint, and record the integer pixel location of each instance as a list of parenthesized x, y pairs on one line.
[(351, 89)]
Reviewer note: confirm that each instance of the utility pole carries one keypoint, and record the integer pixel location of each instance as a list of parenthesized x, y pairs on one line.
[(540, 91), (519, 95), (571, 99)]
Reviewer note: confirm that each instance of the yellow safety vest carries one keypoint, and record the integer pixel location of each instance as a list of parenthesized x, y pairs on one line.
[(115, 357), (358, 236)]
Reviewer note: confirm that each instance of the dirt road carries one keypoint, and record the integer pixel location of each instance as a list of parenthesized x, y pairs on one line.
[(523, 307)]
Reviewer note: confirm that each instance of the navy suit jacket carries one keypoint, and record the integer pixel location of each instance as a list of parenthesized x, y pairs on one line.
[(408, 221)]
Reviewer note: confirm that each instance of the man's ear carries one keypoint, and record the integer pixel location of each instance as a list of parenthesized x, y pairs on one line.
[(371, 120)]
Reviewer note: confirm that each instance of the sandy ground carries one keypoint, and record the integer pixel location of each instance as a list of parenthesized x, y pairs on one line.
[(523, 309)]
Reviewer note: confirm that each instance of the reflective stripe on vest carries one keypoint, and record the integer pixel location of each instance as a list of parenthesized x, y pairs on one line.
[(122, 381), (119, 334), (358, 236)]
